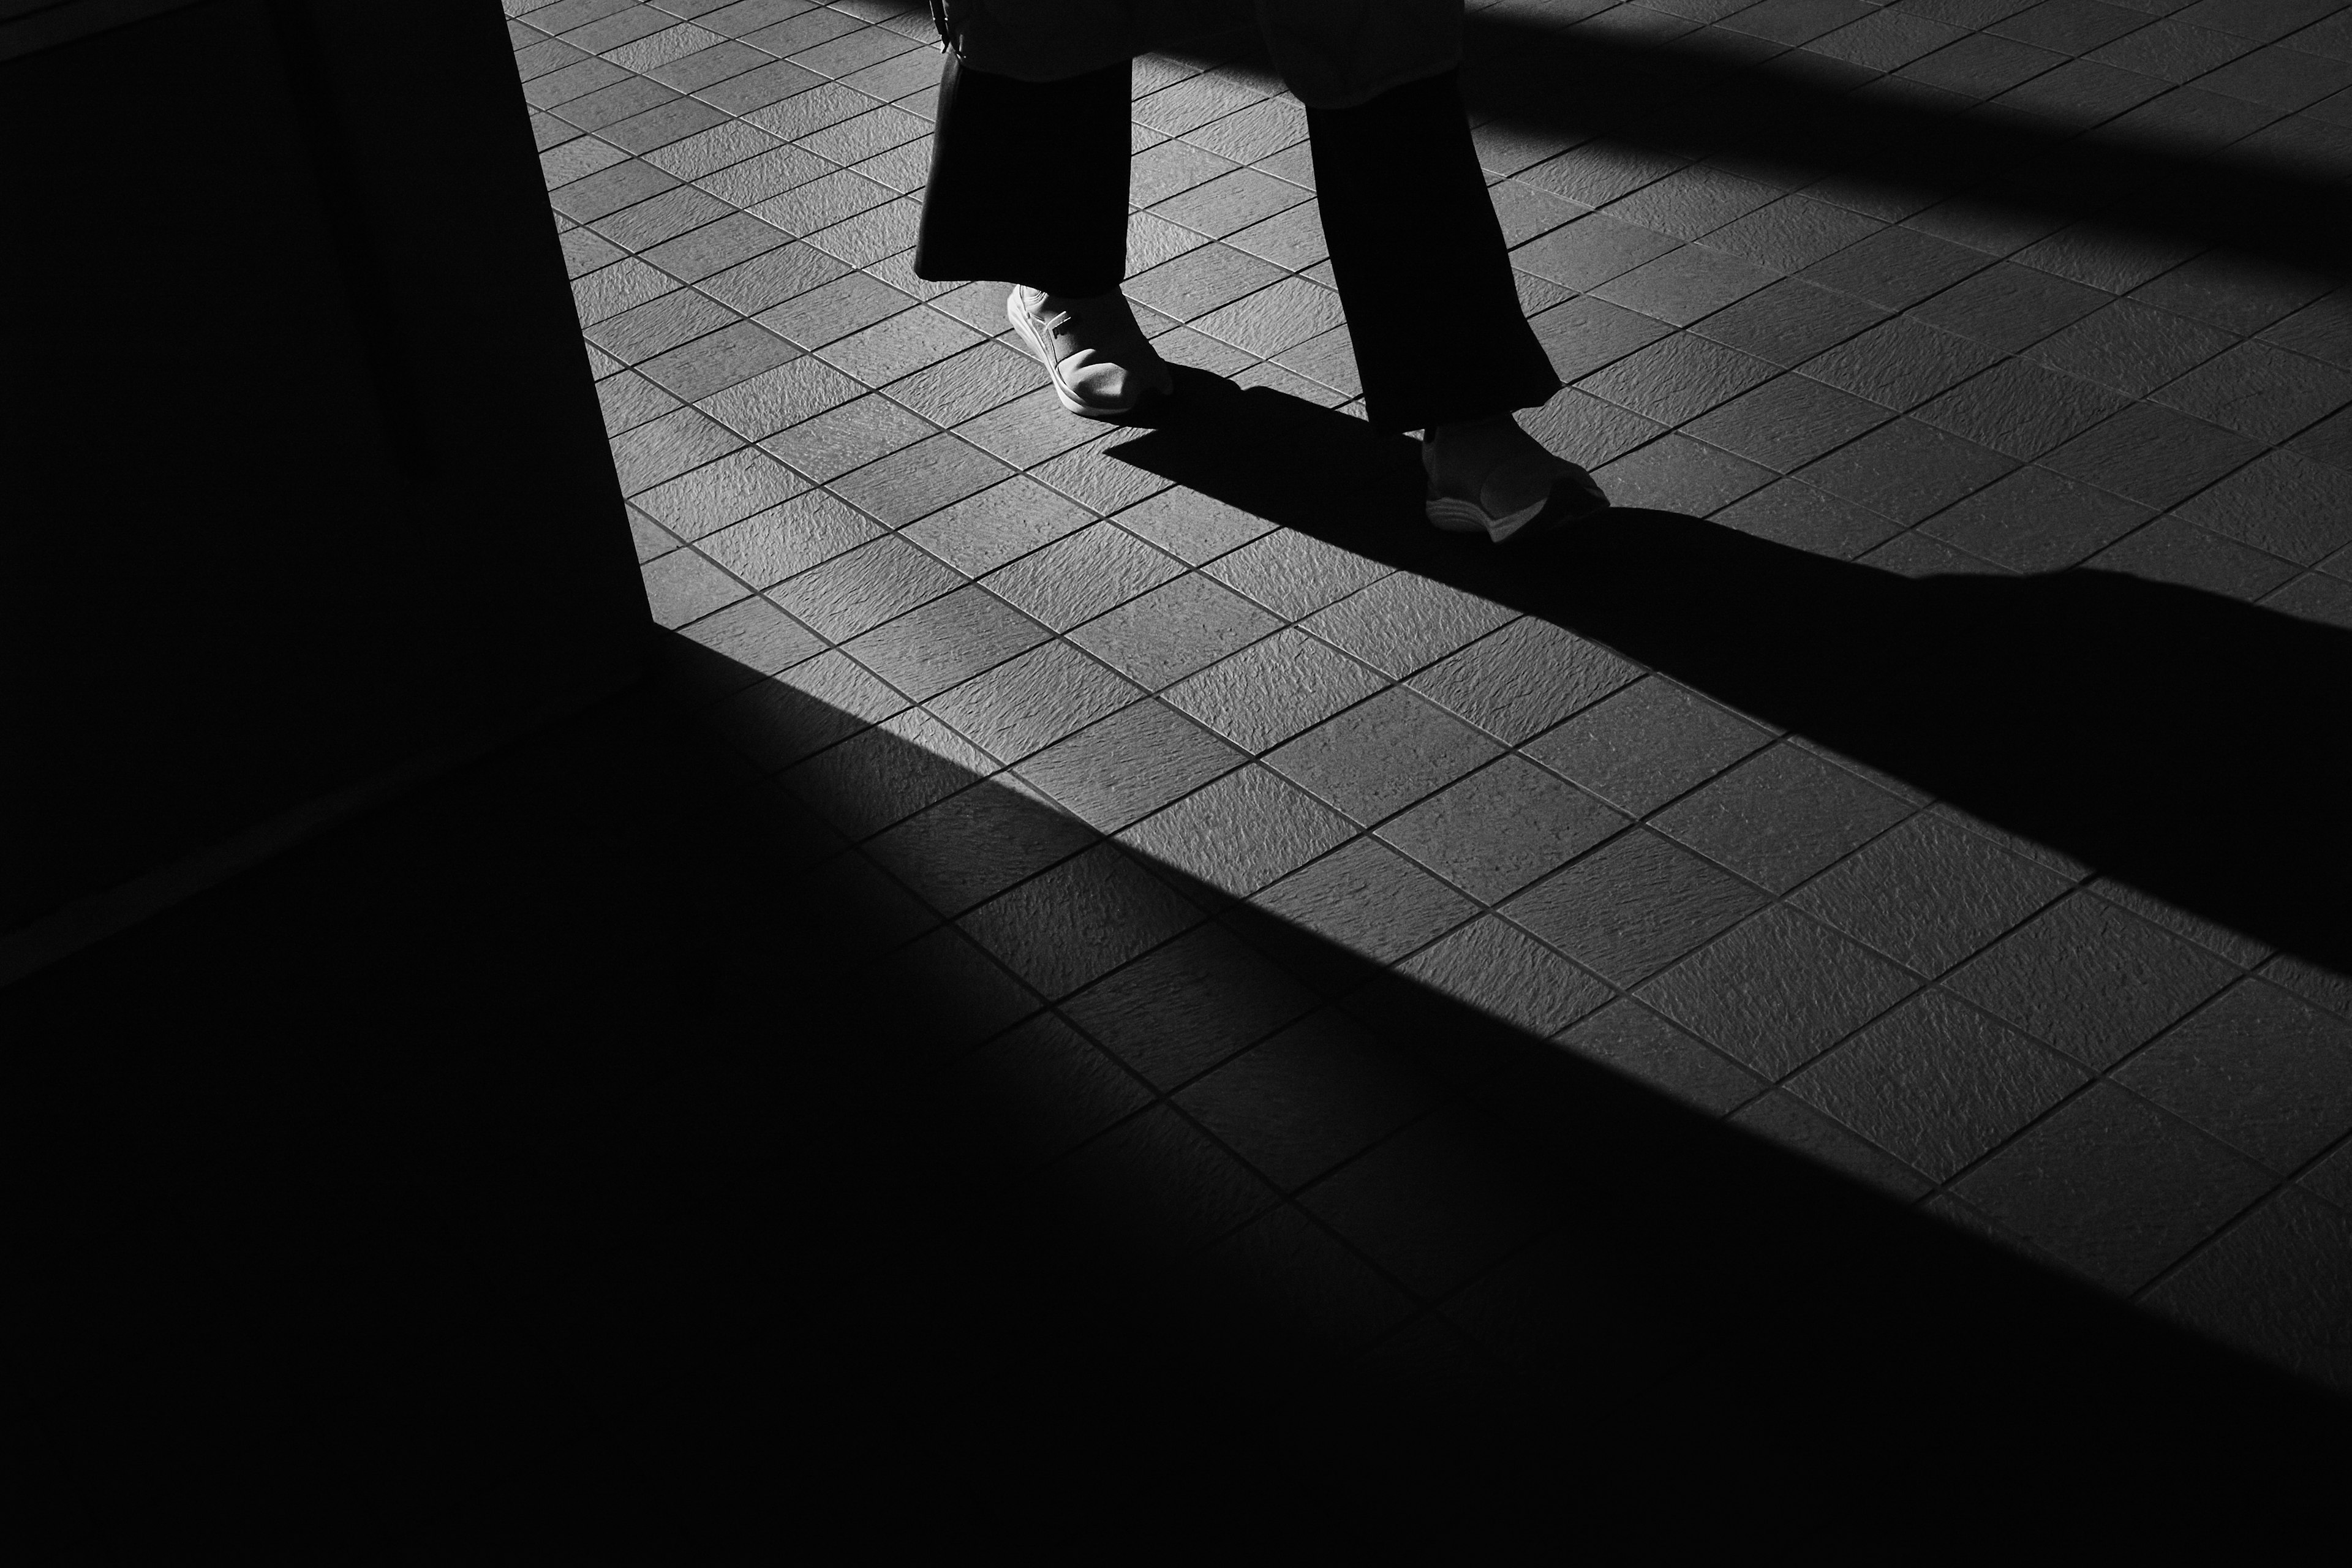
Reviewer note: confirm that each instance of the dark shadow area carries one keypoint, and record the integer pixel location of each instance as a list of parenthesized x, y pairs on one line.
[(2182, 741), (588, 1159), (1683, 97), (1708, 95), (289, 284)]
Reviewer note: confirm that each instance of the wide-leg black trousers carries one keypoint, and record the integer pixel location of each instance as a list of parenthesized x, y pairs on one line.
[(1029, 182)]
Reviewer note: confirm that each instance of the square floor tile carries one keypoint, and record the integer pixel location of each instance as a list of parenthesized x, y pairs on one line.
[(1295, 575), (1285, 313), (1174, 630), (1789, 322), (1123, 767), (1582, 334), (1499, 968), (1633, 906), (1676, 473), (2009, 307), (1501, 827), (833, 310), (1404, 622), (802, 389), (1787, 422), (1585, 254), (1930, 894), (2152, 454), (1032, 701), (1029, 1095), (775, 278), (1241, 831), (1793, 514), (1524, 679), (973, 845), (1794, 233), (999, 524), (1776, 991), (1937, 1084), (885, 774), (1782, 815), (846, 437), (1318, 1093), (2114, 1188), (2172, 551), (1631, 1040), (1179, 1011), (1230, 201), (2277, 1283), (1677, 378), (1368, 898), (2256, 390), (1433, 1206), (1201, 280), (1604, 169), (2019, 409), (1780, 1118), (945, 642), (1381, 756), (2090, 979), (1685, 284), (2035, 520), (2233, 292), (858, 591), (1646, 744), (816, 704), (1081, 574), (2281, 504), (1273, 689), (1072, 924), (1900, 364), (704, 499), (2264, 1071), (1692, 201), (1907, 470), (1895, 267), (900, 345), (783, 540), (719, 360)]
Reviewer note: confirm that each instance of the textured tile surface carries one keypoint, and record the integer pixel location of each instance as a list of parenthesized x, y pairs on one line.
[(1220, 728)]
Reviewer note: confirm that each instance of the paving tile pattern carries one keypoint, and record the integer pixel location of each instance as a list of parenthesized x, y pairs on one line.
[(848, 482)]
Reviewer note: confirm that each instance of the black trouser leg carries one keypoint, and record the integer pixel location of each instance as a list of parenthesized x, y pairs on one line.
[(1423, 274), (1028, 182)]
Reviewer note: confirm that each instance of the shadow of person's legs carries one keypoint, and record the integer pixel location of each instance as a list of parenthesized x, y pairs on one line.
[(2175, 740)]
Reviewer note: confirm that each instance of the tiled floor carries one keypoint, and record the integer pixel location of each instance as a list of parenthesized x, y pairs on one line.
[(1097, 727)]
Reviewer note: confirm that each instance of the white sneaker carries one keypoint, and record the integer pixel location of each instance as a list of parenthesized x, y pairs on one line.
[(1101, 364), (1523, 498)]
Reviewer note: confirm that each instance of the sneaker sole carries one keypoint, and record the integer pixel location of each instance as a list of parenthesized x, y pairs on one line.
[(1567, 503)]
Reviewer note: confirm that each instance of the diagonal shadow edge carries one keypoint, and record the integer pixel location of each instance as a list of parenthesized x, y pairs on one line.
[(2173, 739), (1696, 101), (822, 1215), (1844, 1287)]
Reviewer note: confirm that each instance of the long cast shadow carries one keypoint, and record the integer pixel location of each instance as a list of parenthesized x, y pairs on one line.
[(1708, 94), (589, 1158), (2183, 742), (1675, 96)]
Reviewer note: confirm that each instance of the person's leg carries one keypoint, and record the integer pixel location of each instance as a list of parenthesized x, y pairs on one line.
[(1441, 341), (1422, 269), (1028, 184)]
